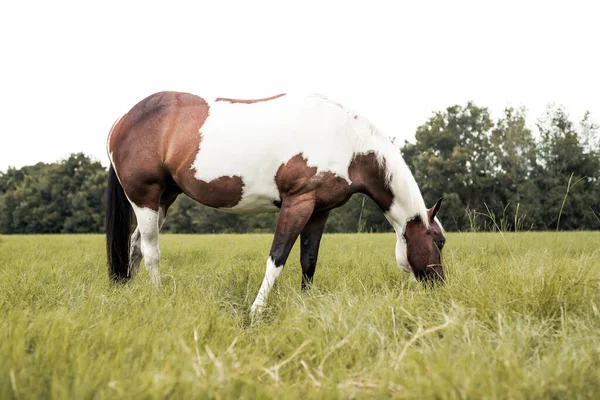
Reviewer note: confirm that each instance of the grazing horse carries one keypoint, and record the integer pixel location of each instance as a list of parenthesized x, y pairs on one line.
[(299, 155)]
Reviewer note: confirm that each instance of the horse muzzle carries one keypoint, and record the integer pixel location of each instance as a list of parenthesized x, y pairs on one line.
[(432, 273)]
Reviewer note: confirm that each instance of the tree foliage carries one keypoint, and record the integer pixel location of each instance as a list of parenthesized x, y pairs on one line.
[(63, 197), (500, 176)]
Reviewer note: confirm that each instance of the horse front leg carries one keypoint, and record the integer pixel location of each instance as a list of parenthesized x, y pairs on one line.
[(295, 213), (310, 239)]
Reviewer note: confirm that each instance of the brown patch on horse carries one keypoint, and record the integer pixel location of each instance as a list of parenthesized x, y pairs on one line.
[(154, 146), (366, 172), (424, 247), (183, 147), (136, 144), (295, 176), (329, 190), (223, 192), (252, 101)]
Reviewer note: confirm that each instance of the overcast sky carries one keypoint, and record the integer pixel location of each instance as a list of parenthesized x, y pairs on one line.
[(68, 70)]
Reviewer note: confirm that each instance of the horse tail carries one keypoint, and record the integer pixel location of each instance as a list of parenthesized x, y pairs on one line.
[(117, 226)]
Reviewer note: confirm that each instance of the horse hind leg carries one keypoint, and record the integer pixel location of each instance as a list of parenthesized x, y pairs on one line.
[(147, 220), (135, 255), (145, 201)]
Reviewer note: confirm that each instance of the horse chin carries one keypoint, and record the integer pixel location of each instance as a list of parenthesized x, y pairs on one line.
[(431, 276)]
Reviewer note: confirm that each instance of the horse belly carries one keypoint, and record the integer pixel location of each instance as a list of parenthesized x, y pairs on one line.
[(247, 181), (260, 200)]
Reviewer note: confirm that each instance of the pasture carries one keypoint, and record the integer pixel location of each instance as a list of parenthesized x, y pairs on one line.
[(518, 318)]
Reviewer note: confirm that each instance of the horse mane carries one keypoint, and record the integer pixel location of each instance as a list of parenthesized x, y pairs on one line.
[(400, 179), (398, 176)]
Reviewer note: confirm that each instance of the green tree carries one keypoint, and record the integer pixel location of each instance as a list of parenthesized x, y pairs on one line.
[(64, 197), (450, 158), (514, 158), (564, 152)]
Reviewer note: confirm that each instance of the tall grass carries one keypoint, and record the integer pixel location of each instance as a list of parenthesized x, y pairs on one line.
[(517, 318)]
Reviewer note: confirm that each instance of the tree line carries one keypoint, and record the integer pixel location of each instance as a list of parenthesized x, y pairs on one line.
[(493, 175)]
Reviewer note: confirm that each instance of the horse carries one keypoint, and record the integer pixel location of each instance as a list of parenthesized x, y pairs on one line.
[(301, 155)]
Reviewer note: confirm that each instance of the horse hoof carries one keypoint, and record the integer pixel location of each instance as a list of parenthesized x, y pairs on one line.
[(256, 311)]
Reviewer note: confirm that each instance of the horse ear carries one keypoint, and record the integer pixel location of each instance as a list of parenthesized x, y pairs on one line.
[(434, 210)]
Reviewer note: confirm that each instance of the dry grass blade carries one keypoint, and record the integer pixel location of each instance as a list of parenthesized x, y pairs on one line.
[(274, 370), (314, 380), (337, 346), (419, 334), (13, 382)]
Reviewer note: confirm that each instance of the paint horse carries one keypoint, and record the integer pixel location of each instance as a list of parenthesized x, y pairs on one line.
[(299, 155)]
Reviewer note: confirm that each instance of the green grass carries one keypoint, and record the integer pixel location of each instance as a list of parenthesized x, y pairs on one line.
[(518, 318)]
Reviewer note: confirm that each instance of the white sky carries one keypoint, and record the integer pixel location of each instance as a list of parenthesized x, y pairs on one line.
[(68, 70)]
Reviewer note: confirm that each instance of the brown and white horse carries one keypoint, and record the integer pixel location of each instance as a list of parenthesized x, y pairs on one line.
[(299, 155)]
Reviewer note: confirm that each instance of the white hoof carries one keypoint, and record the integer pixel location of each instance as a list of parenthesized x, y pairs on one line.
[(156, 282), (256, 309)]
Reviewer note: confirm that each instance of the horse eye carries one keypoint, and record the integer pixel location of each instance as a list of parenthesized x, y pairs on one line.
[(428, 232), (440, 243)]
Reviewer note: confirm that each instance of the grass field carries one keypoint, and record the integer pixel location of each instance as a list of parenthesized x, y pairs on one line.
[(518, 318)]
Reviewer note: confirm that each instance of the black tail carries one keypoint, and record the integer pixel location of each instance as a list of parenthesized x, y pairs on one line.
[(117, 225)]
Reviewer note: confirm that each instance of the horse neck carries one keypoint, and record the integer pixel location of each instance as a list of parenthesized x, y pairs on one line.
[(395, 190)]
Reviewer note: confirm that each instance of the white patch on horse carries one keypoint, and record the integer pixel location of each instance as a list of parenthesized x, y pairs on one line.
[(394, 215), (135, 252), (148, 226), (439, 223), (253, 140), (271, 275)]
